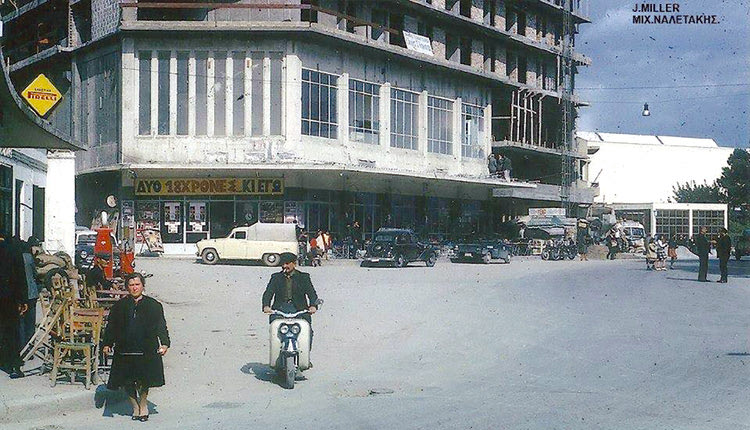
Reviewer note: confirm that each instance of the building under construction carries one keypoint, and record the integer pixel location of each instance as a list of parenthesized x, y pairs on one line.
[(199, 116)]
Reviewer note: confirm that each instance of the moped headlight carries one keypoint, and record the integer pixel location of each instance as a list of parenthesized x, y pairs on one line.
[(284, 329), (84, 254), (296, 329)]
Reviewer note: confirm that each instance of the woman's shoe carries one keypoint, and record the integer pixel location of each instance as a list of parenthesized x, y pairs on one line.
[(135, 417), (143, 418)]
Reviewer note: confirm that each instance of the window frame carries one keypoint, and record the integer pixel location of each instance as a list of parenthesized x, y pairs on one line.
[(439, 144), (323, 116), (360, 132), (399, 135), (474, 150)]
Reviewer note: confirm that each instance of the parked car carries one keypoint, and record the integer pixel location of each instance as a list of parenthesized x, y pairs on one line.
[(397, 247), (742, 244), (260, 241), (84, 250), (481, 250)]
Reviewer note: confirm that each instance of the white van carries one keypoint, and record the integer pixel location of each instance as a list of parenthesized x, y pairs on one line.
[(260, 241)]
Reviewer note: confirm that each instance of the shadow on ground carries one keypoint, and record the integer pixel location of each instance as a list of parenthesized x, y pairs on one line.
[(115, 402)]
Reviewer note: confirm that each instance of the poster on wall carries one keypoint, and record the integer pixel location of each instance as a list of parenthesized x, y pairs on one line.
[(146, 217), (128, 215), (197, 216), (271, 212)]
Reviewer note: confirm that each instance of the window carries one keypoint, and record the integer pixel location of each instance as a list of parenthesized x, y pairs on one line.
[(319, 104), (240, 234), (364, 118), (404, 119), (144, 92), (182, 93), (473, 131), (439, 125), (712, 220), (238, 93), (220, 93), (673, 222), (201, 93)]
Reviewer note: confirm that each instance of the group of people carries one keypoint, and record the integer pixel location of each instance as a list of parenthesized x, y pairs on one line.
[(19, 292), (658, 249), (315, 247), (499, 166), (701, 246)]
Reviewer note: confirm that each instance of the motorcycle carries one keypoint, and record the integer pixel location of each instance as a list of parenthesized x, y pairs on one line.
[(290, 339), (559, 249)]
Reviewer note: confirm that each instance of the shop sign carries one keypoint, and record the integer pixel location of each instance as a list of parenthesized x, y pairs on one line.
[(547, 211), (41, 95), (210, 187)]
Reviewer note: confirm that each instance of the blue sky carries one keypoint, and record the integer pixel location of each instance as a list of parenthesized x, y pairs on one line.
[(658, 55)]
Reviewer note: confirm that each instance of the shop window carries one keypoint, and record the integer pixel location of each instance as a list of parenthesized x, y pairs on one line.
[(246, 212), (271, 211), (404, 119), (172, 222), (439, 125), (144, 92), (146, 217), (472, 134), (197, 226), (221, 220), (319, 110), (364, 105)]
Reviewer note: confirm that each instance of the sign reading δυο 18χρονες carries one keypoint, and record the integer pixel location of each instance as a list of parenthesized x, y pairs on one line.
[(41, 95), (210, 186)]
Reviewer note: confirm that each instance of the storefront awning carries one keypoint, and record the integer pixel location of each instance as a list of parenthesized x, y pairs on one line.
[(20, 127)]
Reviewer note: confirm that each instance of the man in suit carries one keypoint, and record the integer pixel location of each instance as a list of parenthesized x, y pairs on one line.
[(291, 291), (723, 249), (702, 249)]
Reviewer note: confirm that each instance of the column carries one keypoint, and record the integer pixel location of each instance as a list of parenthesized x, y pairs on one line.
[(293, 94), (690, 222), (191, 94), (267, 95), (128, 94), (59, 202), (457, 127), (385, 116), (173, 92), (210, 73), (342, 102), (154, 92), (229, 94), (488, 130)]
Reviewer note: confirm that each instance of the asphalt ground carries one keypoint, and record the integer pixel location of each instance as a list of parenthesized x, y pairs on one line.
[(530, 345)]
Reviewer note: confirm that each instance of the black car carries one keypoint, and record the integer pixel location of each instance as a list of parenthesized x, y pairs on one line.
[(397, 247), (482, 250)]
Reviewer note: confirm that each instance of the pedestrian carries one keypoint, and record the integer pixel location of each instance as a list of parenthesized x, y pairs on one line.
[(582, 239), (650, 254), (137, 334), (500, 166), (507, 168), (12, 307), (672, 250), (723, 248), (291, 291), (661, 253), (28, 320), (702, 248), (492, 165), (612, 245)]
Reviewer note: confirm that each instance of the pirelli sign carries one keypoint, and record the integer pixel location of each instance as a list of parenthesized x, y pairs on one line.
[(210, 187)]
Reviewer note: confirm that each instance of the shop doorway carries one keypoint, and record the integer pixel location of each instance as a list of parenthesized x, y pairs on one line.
[(222, 218), (197, 222)]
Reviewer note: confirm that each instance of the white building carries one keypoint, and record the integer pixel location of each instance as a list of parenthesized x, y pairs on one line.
[(633, 168), (23, 176)]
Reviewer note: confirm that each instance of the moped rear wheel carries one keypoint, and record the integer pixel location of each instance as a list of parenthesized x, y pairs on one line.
[(290, 371)]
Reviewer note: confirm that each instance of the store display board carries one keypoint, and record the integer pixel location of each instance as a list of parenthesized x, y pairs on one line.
[(210, 187)]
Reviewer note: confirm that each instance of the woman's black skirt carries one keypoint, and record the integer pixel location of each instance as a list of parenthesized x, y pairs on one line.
[(146, 370)]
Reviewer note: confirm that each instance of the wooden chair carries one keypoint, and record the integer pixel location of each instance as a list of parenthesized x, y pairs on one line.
[(79, 351)]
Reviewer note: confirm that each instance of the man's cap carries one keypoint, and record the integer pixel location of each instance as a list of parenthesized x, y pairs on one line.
[(288, 257)]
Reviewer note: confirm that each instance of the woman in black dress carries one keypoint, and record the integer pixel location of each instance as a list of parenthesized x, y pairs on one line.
[(138, 333)]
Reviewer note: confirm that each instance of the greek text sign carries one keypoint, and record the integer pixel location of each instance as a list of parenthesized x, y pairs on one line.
[(41, 95), (210, 186)]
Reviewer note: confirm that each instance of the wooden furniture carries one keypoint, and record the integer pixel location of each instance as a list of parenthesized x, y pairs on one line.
[(79, 351)]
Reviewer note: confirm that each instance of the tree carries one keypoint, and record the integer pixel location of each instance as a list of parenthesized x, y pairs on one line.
[(735, 184), (690, 192)]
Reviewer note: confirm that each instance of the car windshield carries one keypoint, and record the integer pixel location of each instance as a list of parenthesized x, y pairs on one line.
[(634, 231), (87, 238)]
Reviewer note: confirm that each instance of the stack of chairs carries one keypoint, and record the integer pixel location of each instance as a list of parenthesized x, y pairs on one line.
[(78, 351)]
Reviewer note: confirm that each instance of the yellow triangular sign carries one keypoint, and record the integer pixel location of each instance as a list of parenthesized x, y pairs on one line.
[(41, 95)]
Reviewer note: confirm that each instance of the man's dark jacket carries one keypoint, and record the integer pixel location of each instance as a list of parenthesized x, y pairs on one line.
[(702, 246), (723, 247), (301, 287)]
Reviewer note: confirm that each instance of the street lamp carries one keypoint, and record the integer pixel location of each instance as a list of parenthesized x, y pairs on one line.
[(645, 110)]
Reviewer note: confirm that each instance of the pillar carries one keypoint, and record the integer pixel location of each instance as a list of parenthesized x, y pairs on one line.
[(59, 202)]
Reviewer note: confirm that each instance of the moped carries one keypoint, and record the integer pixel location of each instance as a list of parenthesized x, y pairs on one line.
[(290, 341)]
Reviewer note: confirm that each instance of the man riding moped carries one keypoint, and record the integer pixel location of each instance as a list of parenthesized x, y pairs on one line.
[(290, 317)]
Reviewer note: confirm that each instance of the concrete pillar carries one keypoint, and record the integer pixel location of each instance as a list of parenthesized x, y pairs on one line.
[(60, 202), (191, 94), (477, 10), (229, 94), (531, 63), (477, 53), (385, 116), (457, 127), (342, 100), (531, 26), (500, 60), (173, 92), (129, 94), (422, 126), (500, 14), (487, 129), (154, 92), (210, 73), (292, 91), (267, 94), (438, 43)]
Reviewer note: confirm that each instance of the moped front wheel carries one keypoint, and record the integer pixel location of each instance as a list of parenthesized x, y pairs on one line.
[(290, 372)]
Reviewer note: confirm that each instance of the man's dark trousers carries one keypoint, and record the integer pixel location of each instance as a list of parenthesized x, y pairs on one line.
[(703, 268), (723, 268)]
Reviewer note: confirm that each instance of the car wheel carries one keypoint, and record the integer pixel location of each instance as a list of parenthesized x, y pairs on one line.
[(271, 260), (431, 260), (401, 261), (210, 256)]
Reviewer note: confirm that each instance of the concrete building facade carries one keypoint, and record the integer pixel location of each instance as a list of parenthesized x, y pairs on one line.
[(323, 112), (23, 175)]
